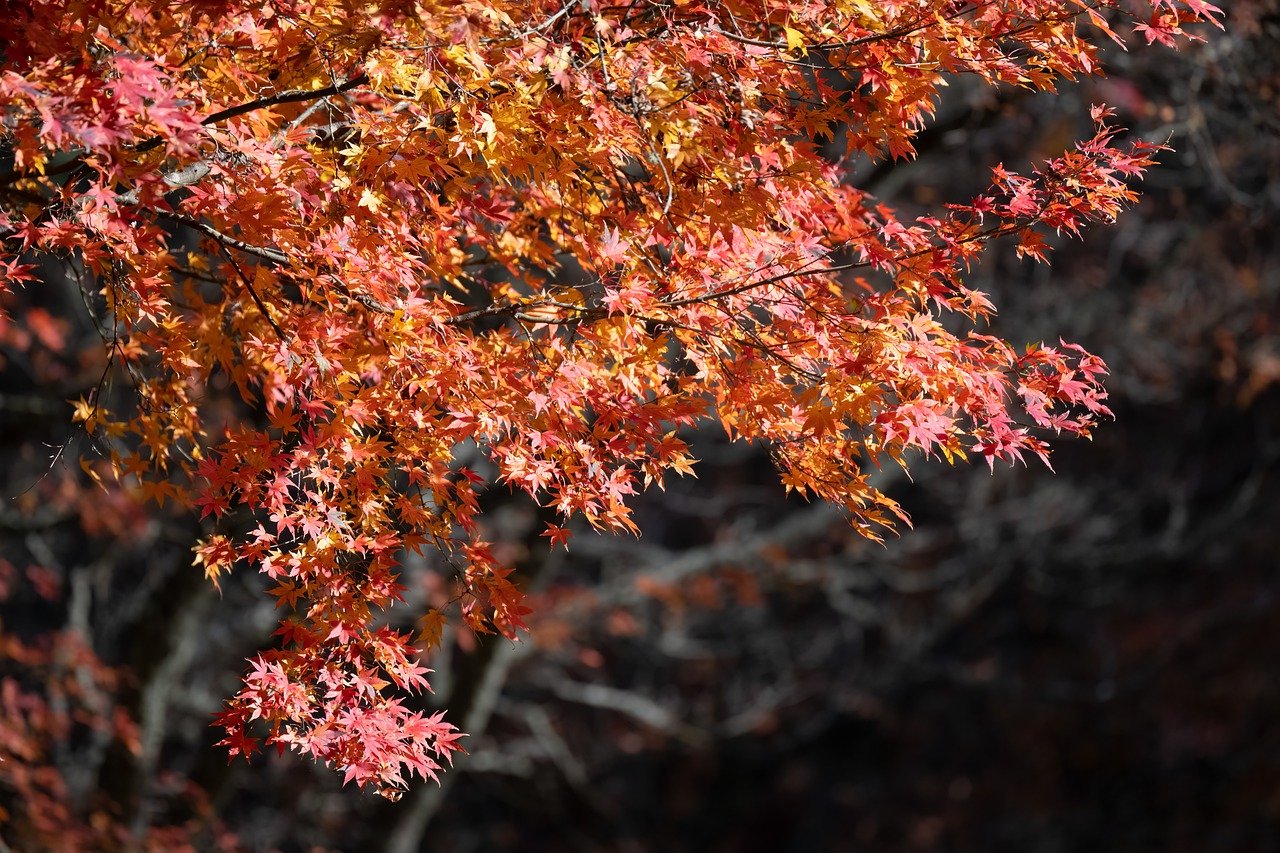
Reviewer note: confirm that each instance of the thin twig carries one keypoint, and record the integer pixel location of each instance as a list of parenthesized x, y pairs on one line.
[(253, 294), (567, 8)]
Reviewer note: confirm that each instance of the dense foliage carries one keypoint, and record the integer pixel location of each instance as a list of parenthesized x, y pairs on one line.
[(439, 247)]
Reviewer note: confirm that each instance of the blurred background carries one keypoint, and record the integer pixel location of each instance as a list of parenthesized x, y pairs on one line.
[(1065, 661)]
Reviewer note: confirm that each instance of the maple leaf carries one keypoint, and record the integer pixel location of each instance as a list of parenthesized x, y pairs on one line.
[(239, 743), (431, 628), (612, 248), (557, 535)]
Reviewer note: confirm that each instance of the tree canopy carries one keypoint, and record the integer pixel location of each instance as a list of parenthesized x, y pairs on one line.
[(353, 264)]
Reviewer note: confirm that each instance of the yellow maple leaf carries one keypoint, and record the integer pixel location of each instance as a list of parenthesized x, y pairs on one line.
[(431, 629), (795, 40)]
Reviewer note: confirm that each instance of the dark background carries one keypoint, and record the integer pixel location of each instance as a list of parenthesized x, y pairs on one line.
[(1077, 660)]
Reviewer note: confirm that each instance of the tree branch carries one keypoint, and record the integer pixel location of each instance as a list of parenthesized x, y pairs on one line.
[(253, 294), (291, 96), (274, 255)]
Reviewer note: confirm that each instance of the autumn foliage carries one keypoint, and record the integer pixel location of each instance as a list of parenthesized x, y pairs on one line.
[(437, 247)]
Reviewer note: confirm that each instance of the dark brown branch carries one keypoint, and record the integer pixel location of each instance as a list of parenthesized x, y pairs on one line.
[(989, 234), (291, 96), (491, 311), (273, 255)]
